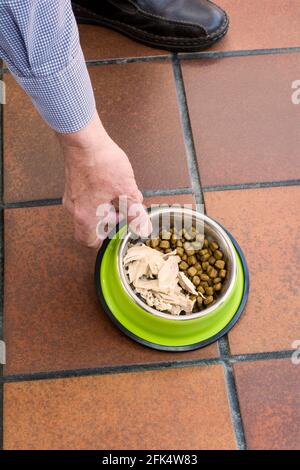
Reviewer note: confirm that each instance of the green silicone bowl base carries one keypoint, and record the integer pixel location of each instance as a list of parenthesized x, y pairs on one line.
[(161, 333)]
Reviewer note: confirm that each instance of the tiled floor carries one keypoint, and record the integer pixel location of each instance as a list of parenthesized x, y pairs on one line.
[(72, 380)]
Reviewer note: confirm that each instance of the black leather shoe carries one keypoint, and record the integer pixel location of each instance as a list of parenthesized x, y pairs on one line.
[(175, 25)]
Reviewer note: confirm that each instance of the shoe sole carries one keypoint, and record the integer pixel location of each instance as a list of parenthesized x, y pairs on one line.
[(84, 16)]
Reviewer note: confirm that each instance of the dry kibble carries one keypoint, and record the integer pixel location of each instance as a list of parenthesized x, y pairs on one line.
[(220, 264), (201, 289), (180, 251), (192, 260), (205, 265), (192, 271), (188, 236), (166, 235), (218, 286), (189, 248), (208, 300), (174, 239), (204, 284), (164, 244), (209, 291), (183, 265), (213, 246), (198, 266), (197, 245), (222, 273), (201, 261), (155, 242), (213, 273), (218, 254)]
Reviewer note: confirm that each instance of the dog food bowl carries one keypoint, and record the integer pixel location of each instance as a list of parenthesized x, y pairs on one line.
[(160, 330)]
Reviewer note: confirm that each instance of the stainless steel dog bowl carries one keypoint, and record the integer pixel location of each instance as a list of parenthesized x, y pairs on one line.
[(177, 216), (160, 330)]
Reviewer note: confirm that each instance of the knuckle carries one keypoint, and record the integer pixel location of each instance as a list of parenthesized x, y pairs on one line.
[(79, 216)]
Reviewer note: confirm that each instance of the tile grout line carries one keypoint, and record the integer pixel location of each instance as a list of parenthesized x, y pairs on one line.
[(187, 132), (167, 192), (197, 186), (237, 53), (195, 55), (257, 185), (188, 56), (105, 370), (1, 269), (195, 178), (128, 60), (58, 201), (232, 394), (31, 203), (161, 192)]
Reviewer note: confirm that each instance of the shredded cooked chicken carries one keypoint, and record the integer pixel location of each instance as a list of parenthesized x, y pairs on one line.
[(156, 278)]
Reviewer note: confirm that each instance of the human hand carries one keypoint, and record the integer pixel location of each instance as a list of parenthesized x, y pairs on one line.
[(97, 174)]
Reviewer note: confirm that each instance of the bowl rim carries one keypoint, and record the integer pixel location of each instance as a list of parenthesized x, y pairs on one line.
[(207, 220)]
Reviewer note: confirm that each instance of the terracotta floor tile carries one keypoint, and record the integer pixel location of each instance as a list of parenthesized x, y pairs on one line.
[(103, 43), (261, 24), (266, 223), (53, 320), (33, 165), (270, 403), (138, 105), (188, 407), (244, 123)]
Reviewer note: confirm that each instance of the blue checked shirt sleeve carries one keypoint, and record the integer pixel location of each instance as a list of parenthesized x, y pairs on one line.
[(40, 43)]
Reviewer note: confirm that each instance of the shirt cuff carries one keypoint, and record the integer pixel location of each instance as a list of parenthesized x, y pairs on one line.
[(65, 100)]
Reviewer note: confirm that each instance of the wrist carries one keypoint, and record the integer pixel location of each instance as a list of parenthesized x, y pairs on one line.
[(87, 139)]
